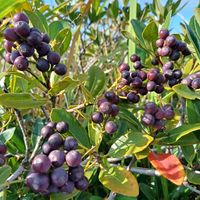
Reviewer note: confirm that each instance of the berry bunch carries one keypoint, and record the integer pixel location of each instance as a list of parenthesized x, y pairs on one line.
[(21, 43), (3, 150), (169, 46), (154, 116), (107, 108), (192, 80), (48, 173)]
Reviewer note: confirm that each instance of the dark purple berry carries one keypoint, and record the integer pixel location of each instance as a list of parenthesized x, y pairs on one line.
[(53, 58), (70, 143), (34, 39), (142, 75), (172, 82), (45, 38), (105, 108), (196, 83), (110, 127), (163, 33), (2, 160), (46, 131), (53, 189), (26, 50), (7, 58), (22, 29), (115, 110), (143, 90), (186, 52), (46, 149), (170, 41), (133, 74), (150, 108), (21, 63), (123, 67), (59, 177), (152, 75), (3, 148), (62, 127), (159, 43), (133, 97), (52, 125), (154, 61), (100, 101), (43, 49), (14, 55), (57, 158), (168, 74), (73, 158), (76, 173), (181, 46), (175, 55), (125, 74), (67, 187), (166, 51), (138, 65), (60, 69), (159, 124), (136, 82), (8, 45), (134, 58), (159, 114), (10, 35), (20, 17), (159, 89), (97, 117), (177, 73), (41, 164), (116, 99), (168, 65), (55, 141), (169, 114), (167, 107), (82, 184), (151, 86), (160, 79), (148, 119), (109, 95)]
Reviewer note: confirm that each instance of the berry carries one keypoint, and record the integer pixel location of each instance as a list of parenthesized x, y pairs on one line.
[(186, 81), (160, 79), (151, 86), (152, 75), (34, 39), (196, 83), (3, 148), (159, 51), (21, 63), (55, 141), (138, 65), (159, 124), (46, 149), (159, 43), (142, 75), (110, 127), (38, 182), (181, 46), (136, 82), (167, 107), (42, 65), (7, 58), (169, 114), (133, 97), (53, 189), (51, 124), (76, 173), (115, 110), (177, 73), (59, 177), (97, 117), (57, 158), (70, 143), (105, 108), (133, 74), (10, 35), (41, 164), (60, 69), (110, 96), (26, 50), (154, 61), (53, 58), (172, 82), (100, 101), (163, 33), (2, 159), (20, 17), (166, 51), (168, 74), (62, 127), (143, 90), (8, 45), (168, 65), (82, 184), (150, 108), (175, 55), (134, 58), (159, 89), (45, 38), (67, 187), (148, 119), (14, 55), (22, 29), (43, 49), (123, 67), (46, 131), (186, 52), (159, 114), (170, 41), (116, 99), (125, 74), (73, 158)]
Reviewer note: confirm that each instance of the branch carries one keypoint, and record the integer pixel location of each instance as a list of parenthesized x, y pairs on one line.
[(186, 184), (76, 108), (45, 113)]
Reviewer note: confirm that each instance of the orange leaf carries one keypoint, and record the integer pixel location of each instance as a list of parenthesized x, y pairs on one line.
[(168, 166)]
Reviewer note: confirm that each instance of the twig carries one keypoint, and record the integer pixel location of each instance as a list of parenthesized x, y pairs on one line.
[(112, 196), (45, 113), (191, 188), (76, 108)]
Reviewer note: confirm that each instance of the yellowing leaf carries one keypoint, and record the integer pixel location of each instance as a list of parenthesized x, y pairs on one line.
[(119, 180)]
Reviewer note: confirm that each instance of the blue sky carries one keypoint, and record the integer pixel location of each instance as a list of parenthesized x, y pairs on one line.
[(185, 14)]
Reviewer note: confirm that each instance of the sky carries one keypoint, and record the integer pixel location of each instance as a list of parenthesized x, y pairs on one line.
[(184, 14)]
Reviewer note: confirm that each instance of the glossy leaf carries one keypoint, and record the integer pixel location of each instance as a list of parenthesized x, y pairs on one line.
[(6, 135), (138, 28), (75, 127), (54, 28), (193, 177), (168, 166), (63, 196), (119, 180), (5, 172), (95, 81), (193, 111), (189, 153), (130, 143), (21, 101), (167, 20)]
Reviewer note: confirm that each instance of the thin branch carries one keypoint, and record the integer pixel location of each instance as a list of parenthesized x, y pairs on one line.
[(45, 113), (76, 108), (191, 188)]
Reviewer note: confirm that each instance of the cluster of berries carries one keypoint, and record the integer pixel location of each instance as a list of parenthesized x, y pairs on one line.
[(192, 80), (107, 109), (48, 172), (3, 150), (154, 116), (169, 46), (22, 41)]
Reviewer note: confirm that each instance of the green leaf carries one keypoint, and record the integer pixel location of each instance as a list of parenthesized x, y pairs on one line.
[(54, 28), (62, 40), (94, 133), (63, 196), (138, 28), (21, 101), (6, 135), (175, 134), (167, 20), (115, 8), (43, 20), (95, 81), (37, 126), (193, 177), (75, 127), (147, 191), (150, 33), (197, 15), (193, 111), (189, 153), (185, 92), (119, 180), (130, 143), (66, 84), (9, 6), (5, 172)]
